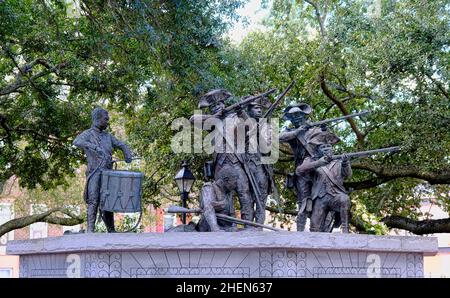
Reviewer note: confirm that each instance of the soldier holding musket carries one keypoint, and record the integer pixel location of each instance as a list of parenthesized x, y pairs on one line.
[(260, 136), (327, 193), (296, 137), (328, 173), (262, 173), (232, 116)]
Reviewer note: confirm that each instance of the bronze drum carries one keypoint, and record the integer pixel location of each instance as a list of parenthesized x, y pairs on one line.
[(121, 191)]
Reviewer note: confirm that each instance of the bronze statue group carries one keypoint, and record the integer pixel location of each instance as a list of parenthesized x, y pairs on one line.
[(318, 181)]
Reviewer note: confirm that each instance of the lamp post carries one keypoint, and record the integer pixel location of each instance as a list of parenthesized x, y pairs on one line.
[(184, 179)]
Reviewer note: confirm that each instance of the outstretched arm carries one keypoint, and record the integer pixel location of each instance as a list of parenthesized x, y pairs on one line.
[(288, 135), (309, 164), (124, 147), (199, 118)]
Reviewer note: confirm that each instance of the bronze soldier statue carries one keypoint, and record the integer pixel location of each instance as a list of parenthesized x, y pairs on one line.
[(297, 137), (263, 173), (328, 193), (98, 146), (214, 100), (216, 197)]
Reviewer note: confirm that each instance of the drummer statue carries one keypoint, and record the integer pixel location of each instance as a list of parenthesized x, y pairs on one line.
[(98, 146)]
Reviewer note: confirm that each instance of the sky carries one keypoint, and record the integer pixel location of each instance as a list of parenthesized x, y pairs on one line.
[(254, 14)]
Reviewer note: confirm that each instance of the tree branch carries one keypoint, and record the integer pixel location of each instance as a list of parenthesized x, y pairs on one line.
[(25, 221), (24, 70), (320, 18), (439, 85), (6, 128), (365, 184), (440, 176), (342, 107), (418, 227)]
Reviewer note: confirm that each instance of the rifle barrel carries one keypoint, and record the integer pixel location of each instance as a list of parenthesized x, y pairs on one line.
[(247, 222), (248, 100), (368, 152), (177, 209), (279, 98), (318, 123)]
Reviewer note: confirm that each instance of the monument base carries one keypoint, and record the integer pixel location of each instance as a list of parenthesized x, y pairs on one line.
[(225, 255)]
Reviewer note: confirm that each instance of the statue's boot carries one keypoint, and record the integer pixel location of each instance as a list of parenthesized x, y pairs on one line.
[(108, 219), (301, 221), (344, 212), (344, 218), (91, 217), (345, 229)]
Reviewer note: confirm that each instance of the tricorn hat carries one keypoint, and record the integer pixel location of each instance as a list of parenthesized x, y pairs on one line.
[(261, 101), (319, 137), (297, 107), (212, 97)]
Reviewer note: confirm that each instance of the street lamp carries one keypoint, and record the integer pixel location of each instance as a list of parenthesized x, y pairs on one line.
[(184, 179)]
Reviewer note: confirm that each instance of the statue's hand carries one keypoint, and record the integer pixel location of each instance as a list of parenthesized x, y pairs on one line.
[(345, 160), (345, 157), (128, 158), (303, 128), (324, 160), (220, 114)]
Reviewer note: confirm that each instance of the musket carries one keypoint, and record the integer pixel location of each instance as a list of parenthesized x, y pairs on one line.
[(306, 126), (246, 101), (367, 153), (277, 101), (267, 114), (326, 121), (177, 209), (234, 106)]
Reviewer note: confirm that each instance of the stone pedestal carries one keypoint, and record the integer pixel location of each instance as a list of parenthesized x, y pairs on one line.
[(241, 254)]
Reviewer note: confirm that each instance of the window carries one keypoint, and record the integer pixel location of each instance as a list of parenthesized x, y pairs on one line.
[(5, 272), (6, 214), (39, 229)]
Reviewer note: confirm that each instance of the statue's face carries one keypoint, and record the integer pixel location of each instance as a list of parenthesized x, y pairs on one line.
[(326, 150), (255, 111), (217, 107), (103, 121), (297, 118), (230, 183)]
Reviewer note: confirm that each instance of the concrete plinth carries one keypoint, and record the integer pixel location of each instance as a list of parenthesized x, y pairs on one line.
[(241, 254)]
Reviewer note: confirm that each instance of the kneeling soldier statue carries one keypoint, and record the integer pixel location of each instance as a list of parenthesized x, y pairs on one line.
[(98, 146), (216, 197)]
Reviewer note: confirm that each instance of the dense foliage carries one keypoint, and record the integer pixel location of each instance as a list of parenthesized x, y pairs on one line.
[(148, 61)]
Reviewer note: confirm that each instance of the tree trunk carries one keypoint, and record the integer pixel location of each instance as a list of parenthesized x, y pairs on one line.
[(24, 221)]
